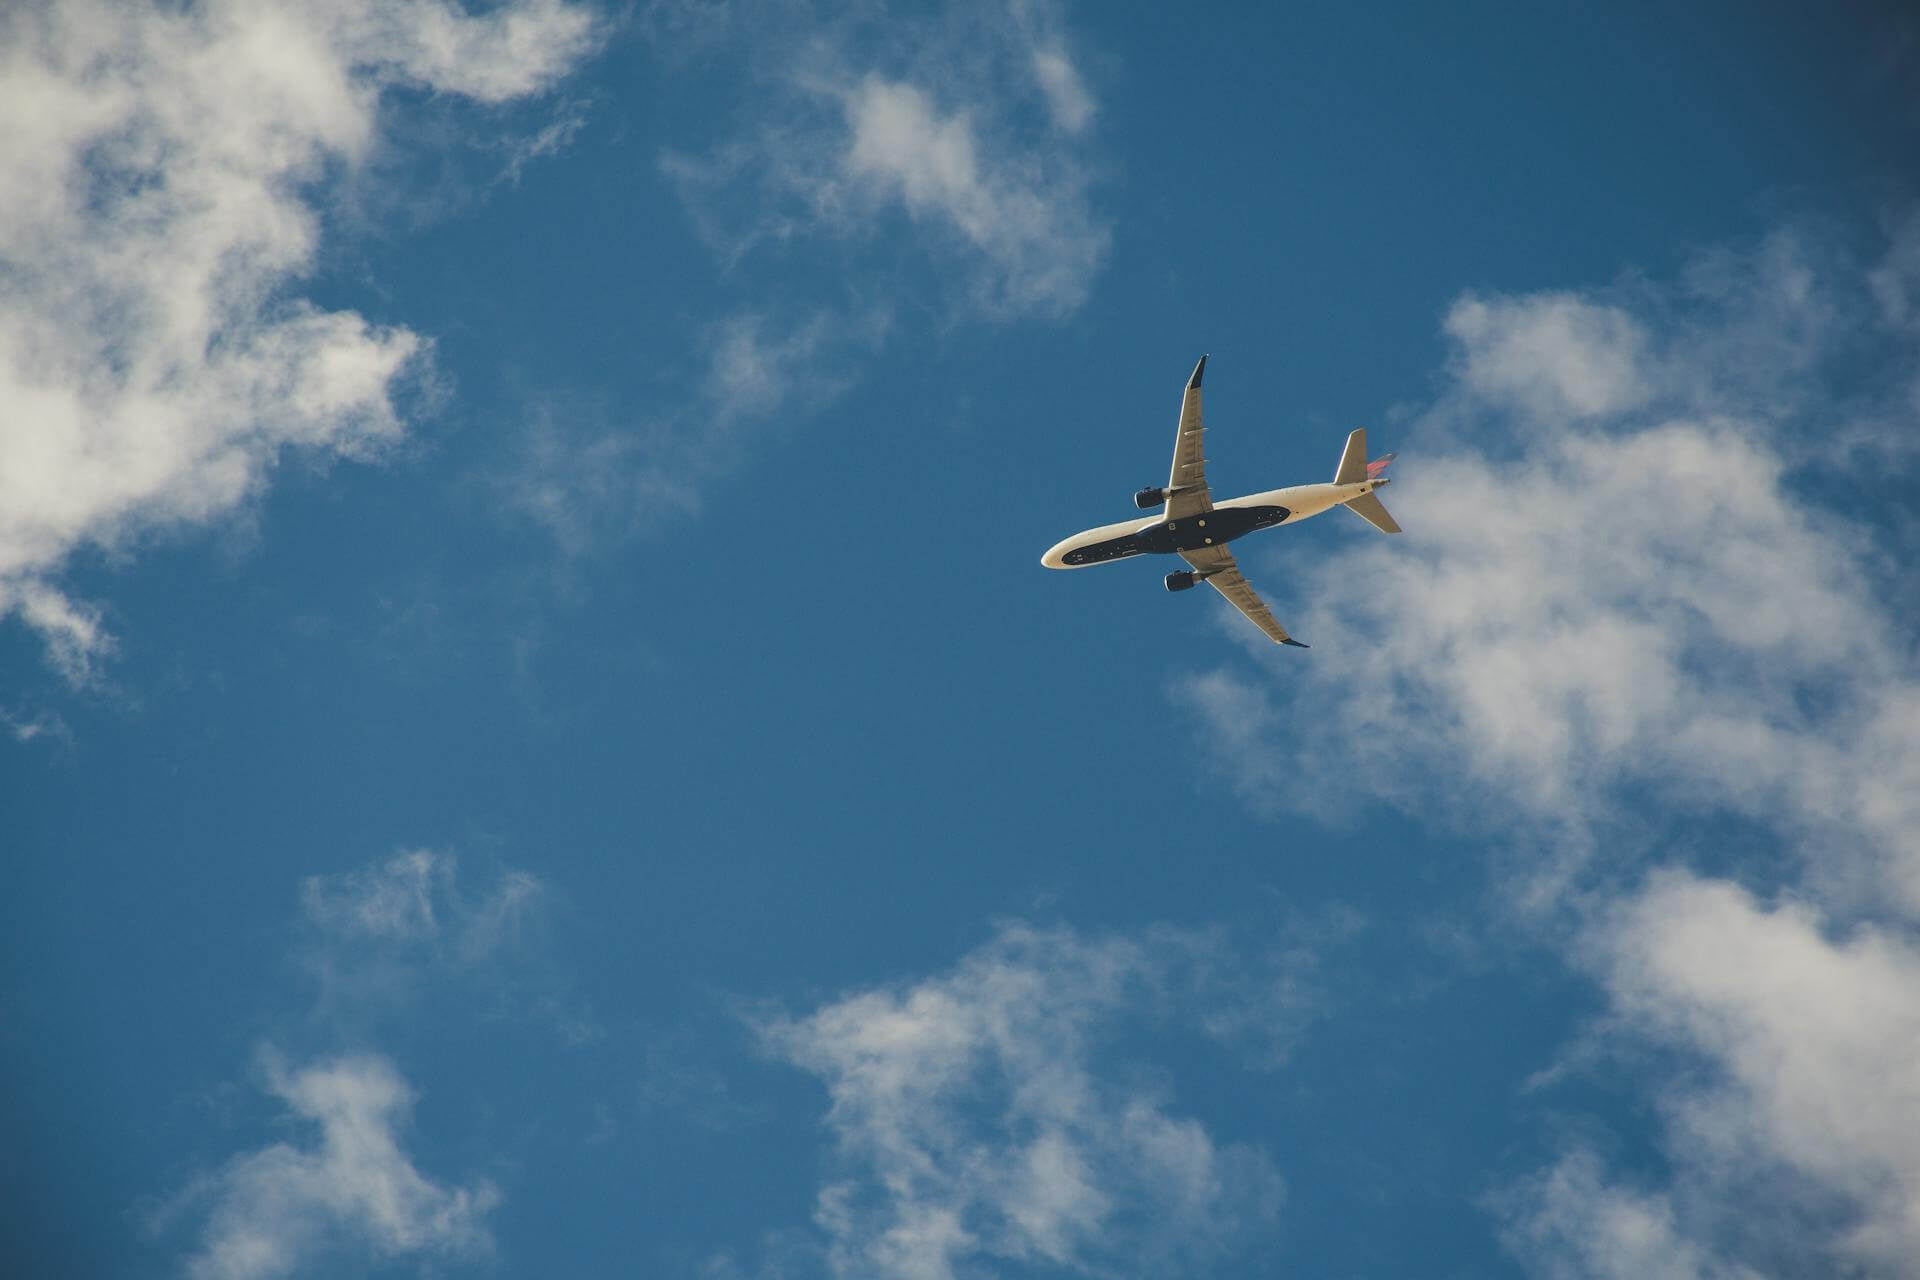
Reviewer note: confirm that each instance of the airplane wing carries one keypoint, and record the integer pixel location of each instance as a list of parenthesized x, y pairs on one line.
[(1188, 482), (1223, 575)]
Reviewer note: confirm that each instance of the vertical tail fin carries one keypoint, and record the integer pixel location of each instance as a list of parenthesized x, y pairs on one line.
[(1353, 459)]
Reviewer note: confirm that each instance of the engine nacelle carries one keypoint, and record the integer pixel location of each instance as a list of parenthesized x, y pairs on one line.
[(1148, 498), (1181, 580)]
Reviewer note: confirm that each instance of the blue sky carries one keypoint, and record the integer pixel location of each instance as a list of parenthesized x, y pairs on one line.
[(537, 741)]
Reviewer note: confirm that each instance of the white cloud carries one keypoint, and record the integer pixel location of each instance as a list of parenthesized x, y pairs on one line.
[(1072, 105), (375, 939), (515, 50), (1815, 1042), (1652, 609), (1784, 331), (1553, 355), (973, 1124), (155, 212), (898, 138), (1641, 600), (1635, 610), (1571, 1223), (285, 1208), (1037, 241), (73, 633), (924, 118)]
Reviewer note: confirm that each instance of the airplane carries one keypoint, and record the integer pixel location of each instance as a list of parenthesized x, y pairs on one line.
[(1197, 529)]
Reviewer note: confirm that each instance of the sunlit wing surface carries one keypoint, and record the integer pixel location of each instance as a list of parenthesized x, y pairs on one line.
[(1223, 575), (1368, 508), (1188, 481)]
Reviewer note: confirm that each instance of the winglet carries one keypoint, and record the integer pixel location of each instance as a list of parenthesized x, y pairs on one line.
[(1193, 383), (1295, 643)]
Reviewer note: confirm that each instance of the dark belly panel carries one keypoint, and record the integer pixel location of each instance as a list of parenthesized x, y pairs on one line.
[(1100, 552), (1190, 534), (1209, 529)]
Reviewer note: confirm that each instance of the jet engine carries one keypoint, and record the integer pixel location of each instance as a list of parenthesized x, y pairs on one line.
[(1181, 580), (1148, 498)]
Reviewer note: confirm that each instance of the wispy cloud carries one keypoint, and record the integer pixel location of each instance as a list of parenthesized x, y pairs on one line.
[(27, 727), (378, 934), (864, 120), (414, 897), (585, 483), (155, 214), (678, 1083), (551, 140), (978, 1116), (1621, 606), (588, 481), (1034, 243), (285, 1208)]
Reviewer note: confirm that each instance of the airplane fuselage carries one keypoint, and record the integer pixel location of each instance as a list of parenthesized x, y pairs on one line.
[(1234, 518)]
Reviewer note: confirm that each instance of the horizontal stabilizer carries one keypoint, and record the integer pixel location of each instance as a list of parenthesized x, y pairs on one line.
[(1368, 508)]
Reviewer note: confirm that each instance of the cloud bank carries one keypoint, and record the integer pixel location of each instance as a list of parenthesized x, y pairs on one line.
[(1630, 603), (156, 213)]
